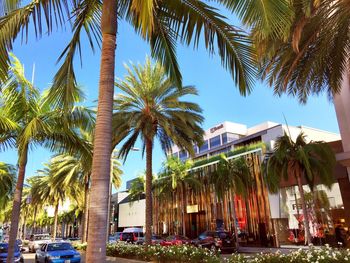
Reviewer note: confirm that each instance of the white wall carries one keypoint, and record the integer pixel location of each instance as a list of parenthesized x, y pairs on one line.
[(131, 215)]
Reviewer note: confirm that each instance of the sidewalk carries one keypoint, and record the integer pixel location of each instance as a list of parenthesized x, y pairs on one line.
[(257, 250)]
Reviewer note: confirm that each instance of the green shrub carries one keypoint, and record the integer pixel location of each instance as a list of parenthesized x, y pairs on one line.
[(311, 255)]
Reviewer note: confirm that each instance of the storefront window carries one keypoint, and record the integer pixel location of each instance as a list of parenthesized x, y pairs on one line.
[(325, 212)]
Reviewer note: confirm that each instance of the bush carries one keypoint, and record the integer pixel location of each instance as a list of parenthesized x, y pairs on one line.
[(177, 254), (163, 254), (314, 255)]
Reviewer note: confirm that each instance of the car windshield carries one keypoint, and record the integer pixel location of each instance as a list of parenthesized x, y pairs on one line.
[(59, 246), (224, 235), (3, 248), (41, 237)]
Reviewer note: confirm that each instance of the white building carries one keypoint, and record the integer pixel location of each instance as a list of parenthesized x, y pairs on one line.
[(225, 136)]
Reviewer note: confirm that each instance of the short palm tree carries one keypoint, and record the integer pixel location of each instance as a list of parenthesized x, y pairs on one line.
[(229, 177), (161, 24), (7, 183), (52, 195), (176, 174), (303, 161), (33, 121), (151, 108), (70, 170)]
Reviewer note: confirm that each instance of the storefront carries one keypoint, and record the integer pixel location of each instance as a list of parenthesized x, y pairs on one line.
[(203, 210)]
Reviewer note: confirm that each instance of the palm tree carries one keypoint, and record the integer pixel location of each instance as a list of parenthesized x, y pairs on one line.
[(229, 177), (178, 176), (162, 24), (51, 195), (34, 122), (7, 182), (313, 57), (68, 170), (151, 108), (303, 161)]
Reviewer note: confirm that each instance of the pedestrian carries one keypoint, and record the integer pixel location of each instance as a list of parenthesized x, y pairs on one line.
[(339, 235)]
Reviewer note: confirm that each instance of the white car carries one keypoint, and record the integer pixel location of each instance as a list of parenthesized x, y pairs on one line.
[(37, 240)]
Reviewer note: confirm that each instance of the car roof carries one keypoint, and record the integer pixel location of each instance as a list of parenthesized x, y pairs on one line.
[(132, 230)]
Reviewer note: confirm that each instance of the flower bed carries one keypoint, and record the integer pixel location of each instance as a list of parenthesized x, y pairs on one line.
[(175, 254), (159, 253), (313, 254)]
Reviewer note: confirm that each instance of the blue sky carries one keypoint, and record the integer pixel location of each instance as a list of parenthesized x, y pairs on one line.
[(218, 96)]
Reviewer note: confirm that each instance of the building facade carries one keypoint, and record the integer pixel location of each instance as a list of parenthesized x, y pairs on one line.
[(259, 216)]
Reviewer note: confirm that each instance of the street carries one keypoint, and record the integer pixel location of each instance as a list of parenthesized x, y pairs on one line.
[(29, 258)]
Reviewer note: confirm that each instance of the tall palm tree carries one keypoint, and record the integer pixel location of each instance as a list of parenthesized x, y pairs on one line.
[(161, 24), (35, 122), (151, 108), (7, 183), (303, 161), (229, 178), (177, 174)]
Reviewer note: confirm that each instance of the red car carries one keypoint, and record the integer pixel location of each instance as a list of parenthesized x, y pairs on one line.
[(175, 240)]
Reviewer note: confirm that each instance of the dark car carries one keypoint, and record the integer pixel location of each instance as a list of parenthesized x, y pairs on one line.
[(3, 253), (132, 237), (222, 240), (175, 240)]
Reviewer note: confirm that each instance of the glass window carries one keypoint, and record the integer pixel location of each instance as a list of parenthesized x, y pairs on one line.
[(195, 149), (215, 142), (59, 246), (204, 147), (183, 154), (229, 137)]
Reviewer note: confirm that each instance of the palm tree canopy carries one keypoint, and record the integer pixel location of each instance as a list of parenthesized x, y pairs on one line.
[(27, 117), (229, 174), (161, 23), (151, 107), (7, 183), (311, 161), (177, 173), (315, 55)]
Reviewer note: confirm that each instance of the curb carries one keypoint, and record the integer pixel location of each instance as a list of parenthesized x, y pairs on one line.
[(124, 260)]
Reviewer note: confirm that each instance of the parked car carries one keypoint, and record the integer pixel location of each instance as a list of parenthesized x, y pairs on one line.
[(115, 237), (156, 239), (37, 240), (3, 253), (132, 235), (175, 240), (222, 240), (57, 252)]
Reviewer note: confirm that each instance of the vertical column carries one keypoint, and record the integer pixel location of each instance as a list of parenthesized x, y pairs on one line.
[(342, 109)]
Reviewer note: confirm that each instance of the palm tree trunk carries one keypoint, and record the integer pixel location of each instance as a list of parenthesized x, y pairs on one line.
[(16, 210), (34, 220), (55, 222), (100, 178), (303, 204), (86, 209), (149, 151), (183, 209), (233, 209)]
